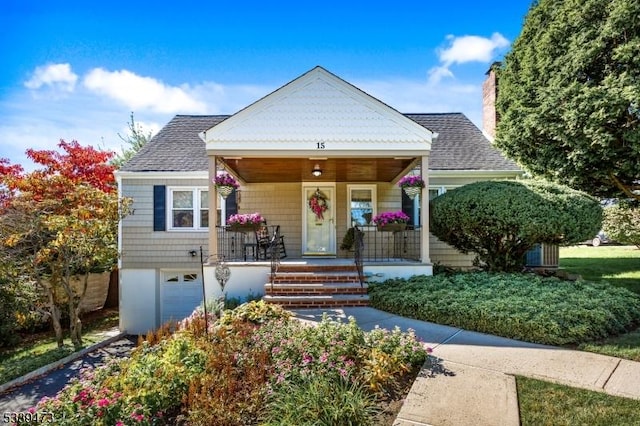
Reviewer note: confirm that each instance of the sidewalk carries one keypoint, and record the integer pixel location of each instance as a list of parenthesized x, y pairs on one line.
[(24, 392), (473, 382)]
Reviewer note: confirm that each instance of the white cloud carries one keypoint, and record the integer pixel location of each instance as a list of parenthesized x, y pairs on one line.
[(140, 93), (464, 49), (57, 76), (471, 49)]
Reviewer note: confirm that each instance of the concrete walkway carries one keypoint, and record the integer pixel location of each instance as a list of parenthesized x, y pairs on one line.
[(473, 379)]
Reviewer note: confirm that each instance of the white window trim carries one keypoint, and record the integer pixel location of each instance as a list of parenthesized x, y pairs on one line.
[(196, 191), (374, 199)]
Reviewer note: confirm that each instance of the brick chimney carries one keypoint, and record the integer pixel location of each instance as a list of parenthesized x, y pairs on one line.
[(489, 95)]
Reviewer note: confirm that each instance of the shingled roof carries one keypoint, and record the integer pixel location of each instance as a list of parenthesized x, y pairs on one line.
[(459, 146)]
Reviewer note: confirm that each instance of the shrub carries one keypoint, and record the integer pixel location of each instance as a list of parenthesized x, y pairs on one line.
[(258, 366), (320, 401), (622, 223), (501, 220), (524, 307), (143, 390)]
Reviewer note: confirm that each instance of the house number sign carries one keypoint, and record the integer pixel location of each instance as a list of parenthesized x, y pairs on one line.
[(320, 145)]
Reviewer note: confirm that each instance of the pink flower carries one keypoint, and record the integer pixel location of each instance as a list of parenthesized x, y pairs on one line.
[(119, 423), (103, 402)]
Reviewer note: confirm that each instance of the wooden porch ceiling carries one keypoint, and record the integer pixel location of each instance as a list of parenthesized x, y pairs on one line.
[(254, 170)]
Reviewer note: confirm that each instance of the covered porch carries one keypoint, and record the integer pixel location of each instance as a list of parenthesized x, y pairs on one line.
[(320, 138)]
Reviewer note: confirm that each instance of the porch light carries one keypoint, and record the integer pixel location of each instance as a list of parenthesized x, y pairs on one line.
[(317, 171)]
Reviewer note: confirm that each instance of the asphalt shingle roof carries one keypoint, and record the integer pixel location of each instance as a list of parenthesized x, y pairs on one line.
[(459, 146)]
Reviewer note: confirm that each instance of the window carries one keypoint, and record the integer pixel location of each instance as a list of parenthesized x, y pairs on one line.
[(189, 208), (361, 204)]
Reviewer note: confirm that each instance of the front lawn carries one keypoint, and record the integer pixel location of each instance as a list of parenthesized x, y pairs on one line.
[(543, 403), (254, 366), (39, 349), (618, 265)]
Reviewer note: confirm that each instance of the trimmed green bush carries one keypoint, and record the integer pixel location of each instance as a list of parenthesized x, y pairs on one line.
[(518, 306), (622, 223), (501, 220)]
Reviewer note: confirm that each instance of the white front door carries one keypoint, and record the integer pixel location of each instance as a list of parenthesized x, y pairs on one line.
[(319, 228)]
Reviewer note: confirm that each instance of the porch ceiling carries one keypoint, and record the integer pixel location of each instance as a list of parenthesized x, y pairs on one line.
[(254, 170)]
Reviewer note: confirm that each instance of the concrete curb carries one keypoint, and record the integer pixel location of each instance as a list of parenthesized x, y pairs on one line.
[(57, 364)]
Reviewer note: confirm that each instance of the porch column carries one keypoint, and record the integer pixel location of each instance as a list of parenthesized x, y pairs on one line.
[(424, 211), (213, 208)]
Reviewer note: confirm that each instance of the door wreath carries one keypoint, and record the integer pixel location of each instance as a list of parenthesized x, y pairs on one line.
[(318, 204)]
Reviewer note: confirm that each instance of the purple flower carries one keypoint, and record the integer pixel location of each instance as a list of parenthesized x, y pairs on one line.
[(390, 217), (408, 181), (225, 179), (244, 219)]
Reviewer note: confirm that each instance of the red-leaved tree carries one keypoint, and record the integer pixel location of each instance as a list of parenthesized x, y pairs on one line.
[(59, 222)]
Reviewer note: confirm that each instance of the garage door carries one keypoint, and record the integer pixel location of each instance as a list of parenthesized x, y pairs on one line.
[(181, 293)]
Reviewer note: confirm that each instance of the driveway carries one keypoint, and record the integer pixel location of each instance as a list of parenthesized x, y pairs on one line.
[(27, 395)]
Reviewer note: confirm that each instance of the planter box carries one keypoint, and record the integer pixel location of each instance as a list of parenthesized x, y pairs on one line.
[(249, 227), (392, 227)]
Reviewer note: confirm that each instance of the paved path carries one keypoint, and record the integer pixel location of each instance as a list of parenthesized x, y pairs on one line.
[(473, 382), (26, 395)]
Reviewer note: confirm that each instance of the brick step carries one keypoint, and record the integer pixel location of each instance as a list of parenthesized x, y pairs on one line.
[(287, 267), (318, 301), (289, 289), (316, 277)]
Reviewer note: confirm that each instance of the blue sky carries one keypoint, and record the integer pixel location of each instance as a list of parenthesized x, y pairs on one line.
[(76, 70)]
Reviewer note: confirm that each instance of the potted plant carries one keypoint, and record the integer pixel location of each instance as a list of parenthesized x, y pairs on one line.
[(245, 222), (349, 239), (225, 184), (391, 221), (412, 185)]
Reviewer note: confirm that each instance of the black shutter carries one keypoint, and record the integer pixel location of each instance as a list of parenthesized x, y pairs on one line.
[(231, 205), (159, 208), (408, 208)]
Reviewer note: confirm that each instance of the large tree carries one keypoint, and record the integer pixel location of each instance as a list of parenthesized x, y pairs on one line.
[(59, 223), (569, 95)]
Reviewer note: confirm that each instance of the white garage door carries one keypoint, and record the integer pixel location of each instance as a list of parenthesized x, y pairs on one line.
[(181, 293)]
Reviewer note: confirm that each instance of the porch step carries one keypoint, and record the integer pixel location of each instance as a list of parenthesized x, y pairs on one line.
[(296, 277), (308, 289), (314, 286), (338, 300)]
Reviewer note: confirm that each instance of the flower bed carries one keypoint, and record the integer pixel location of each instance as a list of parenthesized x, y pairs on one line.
[(255, 366)]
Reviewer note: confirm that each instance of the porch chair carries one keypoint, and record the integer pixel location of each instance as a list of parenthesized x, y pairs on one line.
[(264, 241)]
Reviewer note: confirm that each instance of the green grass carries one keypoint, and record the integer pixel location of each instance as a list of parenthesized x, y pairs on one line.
[(41, 349), (543, 403), (618, 265)]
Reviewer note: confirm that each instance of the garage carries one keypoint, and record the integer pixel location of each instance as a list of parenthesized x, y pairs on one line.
[(181, 293)]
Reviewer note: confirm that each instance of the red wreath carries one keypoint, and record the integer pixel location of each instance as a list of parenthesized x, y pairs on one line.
[(318, 204)]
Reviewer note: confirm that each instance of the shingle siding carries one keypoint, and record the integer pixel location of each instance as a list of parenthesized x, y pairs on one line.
[(142, 247)]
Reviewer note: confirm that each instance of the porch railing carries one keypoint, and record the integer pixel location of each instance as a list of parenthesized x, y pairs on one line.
[(390, 246), (377, 246)]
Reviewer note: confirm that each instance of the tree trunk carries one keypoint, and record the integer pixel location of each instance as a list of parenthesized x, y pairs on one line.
[(54, 313)]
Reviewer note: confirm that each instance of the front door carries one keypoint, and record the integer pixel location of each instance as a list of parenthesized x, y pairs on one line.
[(319, 228)]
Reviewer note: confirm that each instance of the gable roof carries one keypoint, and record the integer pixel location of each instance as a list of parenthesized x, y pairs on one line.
[(460, 145), (317, 107)]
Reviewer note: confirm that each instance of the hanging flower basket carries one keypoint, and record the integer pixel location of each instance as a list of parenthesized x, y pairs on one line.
[(412, 185), (225, 184), (412, 191), (224, 190), (391, 221), (318, 204)]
